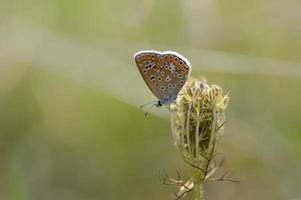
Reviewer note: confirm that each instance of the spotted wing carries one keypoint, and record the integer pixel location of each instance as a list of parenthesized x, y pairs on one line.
[(165, 73), (177, 70), (148, 65)]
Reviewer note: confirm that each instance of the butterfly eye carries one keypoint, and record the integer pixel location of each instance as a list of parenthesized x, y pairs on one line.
[(162, 73), (170, 57), (181, 62), (180, 75), (182, 82), (159, 78), (162, 88), (174, 85), (176, 73), (165, 57), (144, 71), (169, 85)]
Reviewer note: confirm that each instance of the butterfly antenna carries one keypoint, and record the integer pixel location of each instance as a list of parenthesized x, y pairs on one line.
[(147, 104), (147, 112)]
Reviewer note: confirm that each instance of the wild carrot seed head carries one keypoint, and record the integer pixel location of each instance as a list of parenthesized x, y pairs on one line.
[(197, 121)]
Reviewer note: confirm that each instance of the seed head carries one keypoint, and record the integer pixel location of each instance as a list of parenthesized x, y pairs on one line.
[(198, 117)]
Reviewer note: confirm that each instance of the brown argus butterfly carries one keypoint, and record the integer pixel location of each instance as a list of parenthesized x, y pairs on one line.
[(165, 73)]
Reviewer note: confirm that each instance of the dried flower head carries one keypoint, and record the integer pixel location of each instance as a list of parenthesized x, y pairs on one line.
[(198, 118)]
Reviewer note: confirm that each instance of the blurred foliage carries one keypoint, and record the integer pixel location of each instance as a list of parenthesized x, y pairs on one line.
[(70, 123)]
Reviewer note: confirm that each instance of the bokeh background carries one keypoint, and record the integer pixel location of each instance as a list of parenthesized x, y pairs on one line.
[(70, 123)]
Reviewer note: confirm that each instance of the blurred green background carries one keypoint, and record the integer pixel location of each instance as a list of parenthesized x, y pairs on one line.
[(70, 123)]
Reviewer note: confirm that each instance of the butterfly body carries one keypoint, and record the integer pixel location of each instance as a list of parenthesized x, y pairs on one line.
[(165, 73)]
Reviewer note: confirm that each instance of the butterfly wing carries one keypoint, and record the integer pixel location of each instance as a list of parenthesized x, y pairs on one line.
[(165, 73), (177, 69), (148, 65)]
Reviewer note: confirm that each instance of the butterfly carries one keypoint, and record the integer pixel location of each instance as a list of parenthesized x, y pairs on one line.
[(165, 73)]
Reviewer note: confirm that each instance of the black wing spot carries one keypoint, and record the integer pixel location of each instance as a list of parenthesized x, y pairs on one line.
[(152, 77), (168, 79)]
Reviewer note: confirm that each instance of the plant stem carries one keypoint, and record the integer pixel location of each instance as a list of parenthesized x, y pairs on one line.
[(199, 192)]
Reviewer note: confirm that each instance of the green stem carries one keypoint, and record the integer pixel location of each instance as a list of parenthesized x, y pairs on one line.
[(199, 192)]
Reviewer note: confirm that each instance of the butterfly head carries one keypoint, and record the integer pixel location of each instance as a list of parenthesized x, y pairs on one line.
[(167, 101)]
